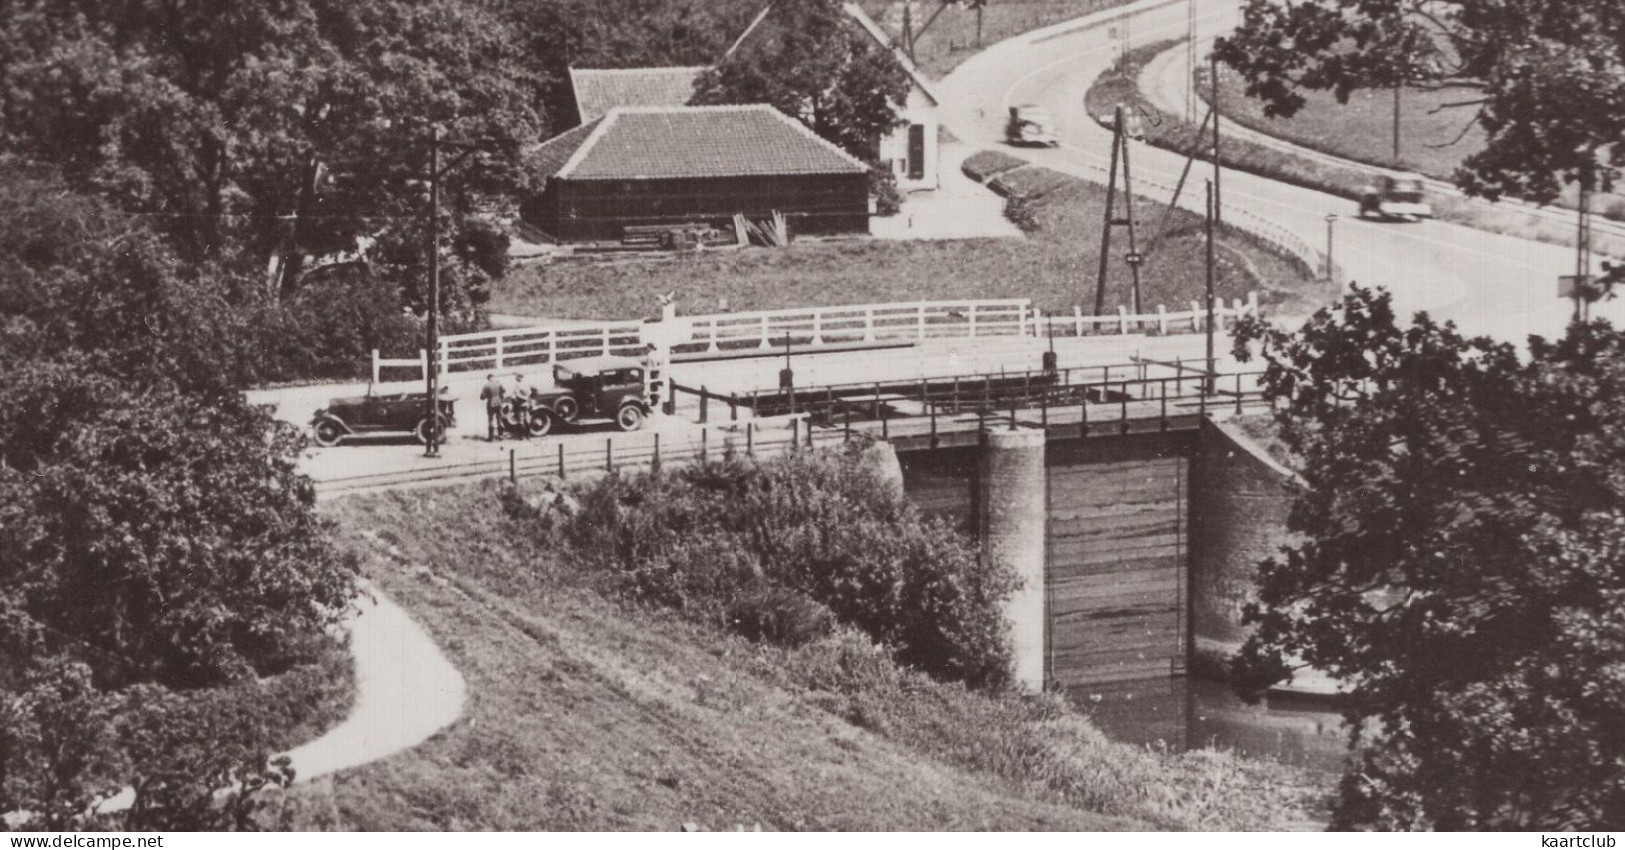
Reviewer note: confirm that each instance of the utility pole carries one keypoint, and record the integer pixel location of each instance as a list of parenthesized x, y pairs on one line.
[(1397, 84), (1134, 257), (1582, 250), (1208, 325), (1106, 228), (1331, 219), (1218, 199), (979, 8), (433, 414), (908, 28), (1190, 60)]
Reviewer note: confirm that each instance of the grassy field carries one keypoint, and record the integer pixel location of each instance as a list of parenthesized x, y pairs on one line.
[(1431, 142), (951, 39), (1056, 267), (1120, 85), (590, 713)]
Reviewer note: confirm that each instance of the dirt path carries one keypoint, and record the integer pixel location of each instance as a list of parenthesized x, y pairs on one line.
[(406, 691)]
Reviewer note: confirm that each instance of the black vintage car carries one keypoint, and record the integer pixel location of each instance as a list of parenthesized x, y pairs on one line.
[(381, 413), (593, 388)]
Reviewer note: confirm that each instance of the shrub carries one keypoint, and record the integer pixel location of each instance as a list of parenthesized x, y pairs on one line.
[(754, 546), (984, 165)]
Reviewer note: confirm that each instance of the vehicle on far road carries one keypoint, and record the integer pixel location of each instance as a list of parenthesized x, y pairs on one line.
[(1133, 127), (382, 413), (1400, 198), (614, 389), (1030, 124)]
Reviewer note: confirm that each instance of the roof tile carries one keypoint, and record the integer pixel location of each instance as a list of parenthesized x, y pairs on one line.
[(600, 90)]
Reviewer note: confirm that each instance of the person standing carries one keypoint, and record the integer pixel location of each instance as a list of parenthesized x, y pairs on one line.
[(492, 394), (519, 398)]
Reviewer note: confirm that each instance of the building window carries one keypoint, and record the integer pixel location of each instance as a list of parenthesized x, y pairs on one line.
[(916, 151)]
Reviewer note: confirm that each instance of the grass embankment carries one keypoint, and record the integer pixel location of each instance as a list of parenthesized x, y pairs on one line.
[(1120, 84), (951, 38), (1056, 267), (1434, 138), (594, 707)]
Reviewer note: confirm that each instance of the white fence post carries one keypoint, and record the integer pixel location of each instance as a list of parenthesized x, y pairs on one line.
[(818, 327), (765, 342), (1077, 319), (1122, 319), (423, 361), (375, 365), (973, 319), (713, 345), (1252, 302), (499, 340), (869, 325), (919, 322), (1162, 320)]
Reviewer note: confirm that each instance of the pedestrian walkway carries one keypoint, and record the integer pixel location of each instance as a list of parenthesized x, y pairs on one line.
[(960, 208)]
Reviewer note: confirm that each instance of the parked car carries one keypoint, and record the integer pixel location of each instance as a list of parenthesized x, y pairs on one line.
[(593, 389), (1030, 124), (381, 413), (1395, 198)]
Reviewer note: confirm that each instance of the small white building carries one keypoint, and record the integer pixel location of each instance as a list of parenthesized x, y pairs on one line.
[(910, 151)]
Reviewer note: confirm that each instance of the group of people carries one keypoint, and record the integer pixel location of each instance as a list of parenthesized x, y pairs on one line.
[(507, 406)]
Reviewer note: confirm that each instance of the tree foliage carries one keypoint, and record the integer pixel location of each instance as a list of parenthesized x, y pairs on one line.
[(812, 62), (1460, 568), (269, 132), (1545, 78)]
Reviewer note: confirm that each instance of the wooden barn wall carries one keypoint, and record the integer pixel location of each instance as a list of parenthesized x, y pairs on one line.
[(580, 210), (1118, 548)]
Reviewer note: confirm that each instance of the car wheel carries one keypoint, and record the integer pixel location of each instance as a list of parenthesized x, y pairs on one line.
[(425, 429), (629, 417), (566, 408), (329, 433), (541, 422)]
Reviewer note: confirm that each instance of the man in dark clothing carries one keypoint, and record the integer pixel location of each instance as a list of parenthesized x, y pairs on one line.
[(492, 394)]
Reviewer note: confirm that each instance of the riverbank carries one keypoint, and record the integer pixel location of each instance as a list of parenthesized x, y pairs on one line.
[(589, 712)]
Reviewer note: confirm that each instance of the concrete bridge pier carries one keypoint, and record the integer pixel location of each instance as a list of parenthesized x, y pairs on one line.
[(1013, 520)]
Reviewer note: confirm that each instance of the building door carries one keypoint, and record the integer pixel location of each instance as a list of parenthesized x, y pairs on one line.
[(916, 151)]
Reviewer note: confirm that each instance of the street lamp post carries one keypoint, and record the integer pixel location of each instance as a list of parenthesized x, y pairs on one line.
[(1331, 219)]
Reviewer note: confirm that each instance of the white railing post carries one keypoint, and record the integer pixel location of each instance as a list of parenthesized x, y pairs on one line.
[(765, 342), (499, 340), (818, 327), (973, 319), (1252, 302), (423, 362), (919, 321), (443, 362), (375, 365), (713, 345), (869, 325), (1162, 320), (1122, 319), (1077, 319), (1196, 316), (605, 352), (553, 347)]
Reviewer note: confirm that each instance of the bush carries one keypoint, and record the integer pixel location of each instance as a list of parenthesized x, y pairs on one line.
[(756, 546)]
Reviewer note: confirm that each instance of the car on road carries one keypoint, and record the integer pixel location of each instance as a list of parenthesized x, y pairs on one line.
[(593, 389), (1133, 127), (1030, 124), (1401, 198), (382, 413)]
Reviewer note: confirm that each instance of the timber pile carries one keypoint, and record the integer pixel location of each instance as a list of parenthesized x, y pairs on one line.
[(771, 232)]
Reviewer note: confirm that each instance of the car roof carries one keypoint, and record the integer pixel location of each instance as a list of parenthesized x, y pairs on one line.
[(600, 364)]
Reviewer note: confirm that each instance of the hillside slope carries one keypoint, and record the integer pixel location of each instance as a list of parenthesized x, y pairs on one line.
[(587, 713)]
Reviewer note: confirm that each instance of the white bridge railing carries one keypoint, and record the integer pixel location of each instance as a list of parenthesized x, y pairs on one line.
[(809, 327)]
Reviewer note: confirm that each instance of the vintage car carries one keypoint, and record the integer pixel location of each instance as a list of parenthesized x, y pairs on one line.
[(381, 413), (1399, 198), (1030, 124), (592, 389), (1133, 127)]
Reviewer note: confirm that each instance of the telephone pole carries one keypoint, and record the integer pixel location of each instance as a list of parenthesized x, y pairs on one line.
[(1135, 258), (432, 415), (1106, 229), (1208, 325), (1218, 199)]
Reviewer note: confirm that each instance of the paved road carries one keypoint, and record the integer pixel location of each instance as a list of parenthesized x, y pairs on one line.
[(1499, 285)]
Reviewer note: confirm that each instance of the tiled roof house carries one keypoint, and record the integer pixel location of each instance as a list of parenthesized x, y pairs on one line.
[(667, 164), (597, 91)]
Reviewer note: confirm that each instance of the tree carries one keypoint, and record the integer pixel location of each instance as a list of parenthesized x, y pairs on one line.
[(1544, 77), (263, 133), (159, 535), (813, 62), (1460, 569)]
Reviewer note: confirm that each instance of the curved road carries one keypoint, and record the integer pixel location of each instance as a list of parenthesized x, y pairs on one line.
[(1486, 283)]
